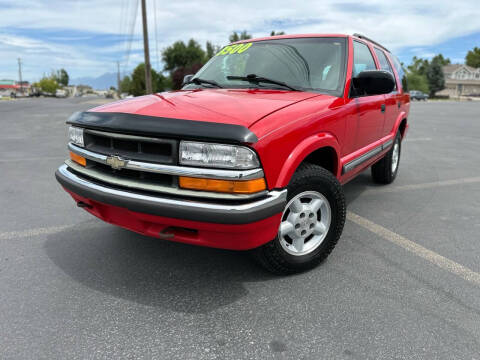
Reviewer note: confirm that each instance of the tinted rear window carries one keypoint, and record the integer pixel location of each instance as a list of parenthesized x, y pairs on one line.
[(401, 73), (384, 63)]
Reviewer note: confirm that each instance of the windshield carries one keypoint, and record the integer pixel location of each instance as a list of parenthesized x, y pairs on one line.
[(308, 64)]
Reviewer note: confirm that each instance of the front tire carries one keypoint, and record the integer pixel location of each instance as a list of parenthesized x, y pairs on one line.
[(312, 223), (385, 170)]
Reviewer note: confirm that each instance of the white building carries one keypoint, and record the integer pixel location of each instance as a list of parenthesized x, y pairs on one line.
[(461, 80)]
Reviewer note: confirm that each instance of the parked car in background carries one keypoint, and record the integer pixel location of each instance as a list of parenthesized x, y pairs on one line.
[(61, 93), (418, 95), (252, 153), (11, 93)]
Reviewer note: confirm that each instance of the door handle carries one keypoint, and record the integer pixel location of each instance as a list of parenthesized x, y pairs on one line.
[(383, 108), (399, 104)]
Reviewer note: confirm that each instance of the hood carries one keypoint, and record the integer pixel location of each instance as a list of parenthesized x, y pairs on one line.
[(229, 106)]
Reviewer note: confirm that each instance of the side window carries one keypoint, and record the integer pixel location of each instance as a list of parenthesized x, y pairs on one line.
[(362, 58), (401, 73), (384, 63)]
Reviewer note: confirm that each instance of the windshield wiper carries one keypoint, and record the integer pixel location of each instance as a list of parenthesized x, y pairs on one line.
[(199, 81), (252, 78)]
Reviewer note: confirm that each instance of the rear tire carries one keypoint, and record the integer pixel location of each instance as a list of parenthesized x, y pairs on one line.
[(311, 225), (385, 170)]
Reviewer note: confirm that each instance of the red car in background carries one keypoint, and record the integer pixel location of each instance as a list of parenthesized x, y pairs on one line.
[(252, 153)]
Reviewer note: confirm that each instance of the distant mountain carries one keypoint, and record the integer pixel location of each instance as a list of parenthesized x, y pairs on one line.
[(103, 82)]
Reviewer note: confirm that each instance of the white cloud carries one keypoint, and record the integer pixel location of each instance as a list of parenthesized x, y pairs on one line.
[(412, 23)]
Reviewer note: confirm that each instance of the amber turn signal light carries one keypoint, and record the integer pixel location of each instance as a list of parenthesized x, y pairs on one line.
[(78, 159), (224, 186)]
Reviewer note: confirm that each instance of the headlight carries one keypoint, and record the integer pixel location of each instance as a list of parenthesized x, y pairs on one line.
[(217, 155), (75, 135)]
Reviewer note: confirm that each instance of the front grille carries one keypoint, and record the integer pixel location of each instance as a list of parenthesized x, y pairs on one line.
[(147, 177), (163, 151), (139, 148)]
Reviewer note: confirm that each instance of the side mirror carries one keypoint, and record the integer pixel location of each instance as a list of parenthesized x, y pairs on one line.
[(187, 78), (374, 82)]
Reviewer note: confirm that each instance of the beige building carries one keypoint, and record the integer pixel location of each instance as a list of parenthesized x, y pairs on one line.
[(461, 80)]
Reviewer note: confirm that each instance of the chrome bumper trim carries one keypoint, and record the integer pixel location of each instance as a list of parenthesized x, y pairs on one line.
[(153, 187), (204, 173), (223, 213)]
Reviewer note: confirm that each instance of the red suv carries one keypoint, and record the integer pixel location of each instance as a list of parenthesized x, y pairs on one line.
[(252, 153)]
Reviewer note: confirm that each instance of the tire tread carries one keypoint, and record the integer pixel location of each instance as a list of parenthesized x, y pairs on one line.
[(269, 255), (382, 170)]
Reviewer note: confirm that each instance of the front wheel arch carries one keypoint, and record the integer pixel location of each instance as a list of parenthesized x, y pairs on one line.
[(309, 151)]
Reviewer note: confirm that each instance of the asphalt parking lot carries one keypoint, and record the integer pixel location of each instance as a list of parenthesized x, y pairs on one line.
[(403, 282)]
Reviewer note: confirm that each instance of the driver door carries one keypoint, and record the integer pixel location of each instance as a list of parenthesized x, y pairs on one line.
[(370, 108)]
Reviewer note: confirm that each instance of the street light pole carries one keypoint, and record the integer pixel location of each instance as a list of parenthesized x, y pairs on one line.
[(20, 74), (118, 78), (148, 71)]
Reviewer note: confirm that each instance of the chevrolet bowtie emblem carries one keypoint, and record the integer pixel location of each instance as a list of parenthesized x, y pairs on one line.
[(116, 162)]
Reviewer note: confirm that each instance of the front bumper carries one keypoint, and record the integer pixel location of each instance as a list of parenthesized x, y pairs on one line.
[(224, 225)]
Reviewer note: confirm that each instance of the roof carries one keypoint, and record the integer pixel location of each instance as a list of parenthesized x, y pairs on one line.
[(449, 69), (363, 37), (292, 36)]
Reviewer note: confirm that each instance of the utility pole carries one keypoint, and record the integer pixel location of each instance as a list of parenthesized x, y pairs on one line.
[(20, 74), (118, 78), (148, 71)]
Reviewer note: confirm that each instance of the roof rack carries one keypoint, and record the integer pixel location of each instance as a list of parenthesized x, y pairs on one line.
[(368, 39)]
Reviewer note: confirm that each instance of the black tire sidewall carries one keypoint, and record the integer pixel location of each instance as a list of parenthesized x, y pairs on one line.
[(399, 141), (382, 170), (330, 191)]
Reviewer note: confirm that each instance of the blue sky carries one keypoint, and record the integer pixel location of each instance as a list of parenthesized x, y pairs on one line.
[(88, 37)]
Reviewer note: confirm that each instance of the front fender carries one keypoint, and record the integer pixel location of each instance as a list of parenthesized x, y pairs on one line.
[(302, 150)]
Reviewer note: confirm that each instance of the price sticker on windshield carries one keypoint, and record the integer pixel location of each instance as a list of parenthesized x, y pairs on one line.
[(234, 49)]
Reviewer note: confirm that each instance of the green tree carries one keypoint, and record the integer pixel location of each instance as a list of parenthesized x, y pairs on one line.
[(441, 60), (273, 33), (417, 82), (137, 81), (62, 77), (211, 50), (48, 85), (435, 78), (418, 66), (242, 36), (182, 55), (167, 83), (473, 57), (427, 76), (125, 84), (182, 59)]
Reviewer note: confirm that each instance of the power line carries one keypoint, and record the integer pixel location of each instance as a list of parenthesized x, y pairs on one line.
[(156, 33), (20, 74), (118, 78), (121, 25), (131, 31), (122, 15)]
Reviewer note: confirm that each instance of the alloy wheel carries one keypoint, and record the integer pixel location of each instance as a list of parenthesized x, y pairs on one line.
[(305, 223)]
